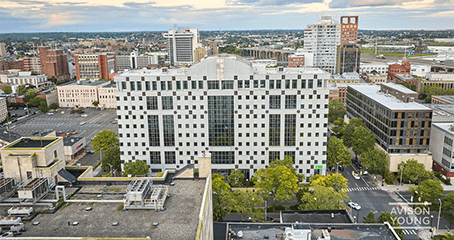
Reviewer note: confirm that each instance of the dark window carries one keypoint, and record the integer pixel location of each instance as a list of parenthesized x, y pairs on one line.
[(221, 120), (169, 130), (170, 157), (155, 157), (153, 130), (290, 102), (152, 103), (275, 101), (275, 130), (167, 103), (290, 129), (222, 157)]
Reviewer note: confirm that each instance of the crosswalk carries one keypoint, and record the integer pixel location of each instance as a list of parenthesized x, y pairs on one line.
[(409, 232), (362, 189)]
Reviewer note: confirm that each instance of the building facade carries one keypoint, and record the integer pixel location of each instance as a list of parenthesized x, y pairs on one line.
[(79, 94), (107, 96), (399, 127), (2, 49), (376, 77), (441, 148), (13, 65), (398, 68), (181, 44), (136, 61), (348, 58), (369, 67), (346, 77), (24, 78), (32, 64), (322, 39), (3, 109), (246, 118), (349, 29), (95, 66), (53, 63)]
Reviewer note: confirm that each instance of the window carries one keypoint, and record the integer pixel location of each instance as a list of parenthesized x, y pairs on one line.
[(153, 130), (274, 130), (163, 86), (200, 85), (194, 85), (278, 84), (123, 85), (271, 84), (275, 101), (152, 103), (154, 85), (310, 83), (240, 83), (290, 130), (294, 84), (169, 131), (178, 85), (227, 84), (170, 157), (222, 157), (303, 84), (319, 83), (132, 85), (213, 84), (290, 101), (220, 120), (167, 103), (155, 157), (185, 85), (169, 85)]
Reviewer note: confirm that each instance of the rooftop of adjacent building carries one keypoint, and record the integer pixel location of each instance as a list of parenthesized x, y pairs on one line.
[(110, 85), (446, 126), (83, 83), (387, 100), (35, 142), (442, 112), (399, 87), (315, 216), (344, 85), (5, 136), (21, 74), (448, 98), (69, 141), (210, 63), (346, 76), (405, 76), (335, 231)]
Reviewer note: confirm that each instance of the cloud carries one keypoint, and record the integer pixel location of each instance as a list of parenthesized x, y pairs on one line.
[(442, 14), (270, 2), (367, 3)]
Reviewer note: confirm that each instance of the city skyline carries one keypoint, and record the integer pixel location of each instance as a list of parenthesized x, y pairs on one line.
[(159, 15)]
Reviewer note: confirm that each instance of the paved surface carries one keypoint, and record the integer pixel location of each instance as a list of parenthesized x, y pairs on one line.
[(62, 120), (178, 221), (412, 60)]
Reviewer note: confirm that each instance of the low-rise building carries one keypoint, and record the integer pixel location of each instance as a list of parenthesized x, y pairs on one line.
[(32, 64), (442, 99), (399, 91), (28, 158), (24, 78), (95, 66), (440, 76), (420, 70), (441, 140), (398, 78), (301, 58), (445, 84), (74, 147), (401, 67), (346, 77), (107, 97), (376, 77), (50, 95), (79, 94), (368, 67)]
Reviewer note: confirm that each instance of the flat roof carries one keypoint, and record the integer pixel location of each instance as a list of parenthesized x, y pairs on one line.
[(4, 135), (110, 85), (32, 143), (388, 101), (83, 83), (315, 216), (448, 98), (445, 126), (338, 231), (69, 141), (404, 76), (442, 112), (399, 87)]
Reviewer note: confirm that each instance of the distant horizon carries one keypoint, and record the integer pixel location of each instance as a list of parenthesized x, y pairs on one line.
[(37, 16)]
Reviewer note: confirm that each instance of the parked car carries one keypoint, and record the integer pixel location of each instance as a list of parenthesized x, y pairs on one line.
[(354, 205), (50, 113), (341, 168), (82, 123), (84, 115), (91, 151), (356, 176)]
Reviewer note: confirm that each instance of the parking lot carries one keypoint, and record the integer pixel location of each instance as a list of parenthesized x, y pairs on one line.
[(94, 122)]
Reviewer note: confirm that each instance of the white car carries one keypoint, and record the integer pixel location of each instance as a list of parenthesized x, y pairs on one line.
[(356, 176), (354, 205), (50, 113), (82, 123), (84, 115), (365, 172)]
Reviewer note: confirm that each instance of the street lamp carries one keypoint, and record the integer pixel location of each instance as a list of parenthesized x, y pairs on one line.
[(439, 213), (401, 170), (431, 221)]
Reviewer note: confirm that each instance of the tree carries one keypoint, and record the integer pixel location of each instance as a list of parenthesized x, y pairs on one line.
[(95, 103), (335, 181), (375, 161), (348, 130), (29, 96), (338, 153), (43, 107), (392, 220), (111, 156), (53, 106), (7, 89), (370, 218), (243, 202), (412, 171), (339, 126), (287, 161), (323, 198), (53, 79), (21, 90), (428, 190), (236, 178), (279, 180), (363, 140), (336, 110), (221, 196), (447, 208), (104, 140), (136, 168), (447, 236), (36, 101)]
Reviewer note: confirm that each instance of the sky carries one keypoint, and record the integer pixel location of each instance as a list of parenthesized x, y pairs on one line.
[(160, 15)]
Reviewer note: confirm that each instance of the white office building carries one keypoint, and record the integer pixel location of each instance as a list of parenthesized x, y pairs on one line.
[(368, 67), (244, 115), (441, 147), (181, 44), (136, 61), (322, 39)]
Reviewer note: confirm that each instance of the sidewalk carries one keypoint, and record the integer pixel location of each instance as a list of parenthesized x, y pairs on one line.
[(406, 187)]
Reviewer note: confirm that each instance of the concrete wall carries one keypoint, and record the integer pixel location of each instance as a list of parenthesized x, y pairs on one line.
[(204, 167), (205, 226), (395, 159)]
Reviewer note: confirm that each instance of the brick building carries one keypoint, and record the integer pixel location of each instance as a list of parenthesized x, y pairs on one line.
[(405, 78), (13, 65), (53, 63), (32, 64), (399, 91), (349, 29), (95, 66), (403, 68)]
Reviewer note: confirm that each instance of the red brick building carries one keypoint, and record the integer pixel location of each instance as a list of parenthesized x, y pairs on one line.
[(394, 69), (32, 64), (13, 65), (296, 61), (54, 63), (349, 29)]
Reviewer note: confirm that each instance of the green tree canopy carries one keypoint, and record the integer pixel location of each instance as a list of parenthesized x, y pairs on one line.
[(412, 171), (447, 208), (236, 178), (136, 168), (428, 190), (36, 101), (349, 129), (104, 140), (53, 106), (337, 153), (363, 140), (323, 198), (447, 236), (336, 110), (392, 220), (43, 107), (221, 196), (370, 218), (243, 202), (375, 160), (335, 181), (339, 127), (29, 96), (95, 103), (21, 90), (7, 89), (111, 156), (287, 161), (280, 180)]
